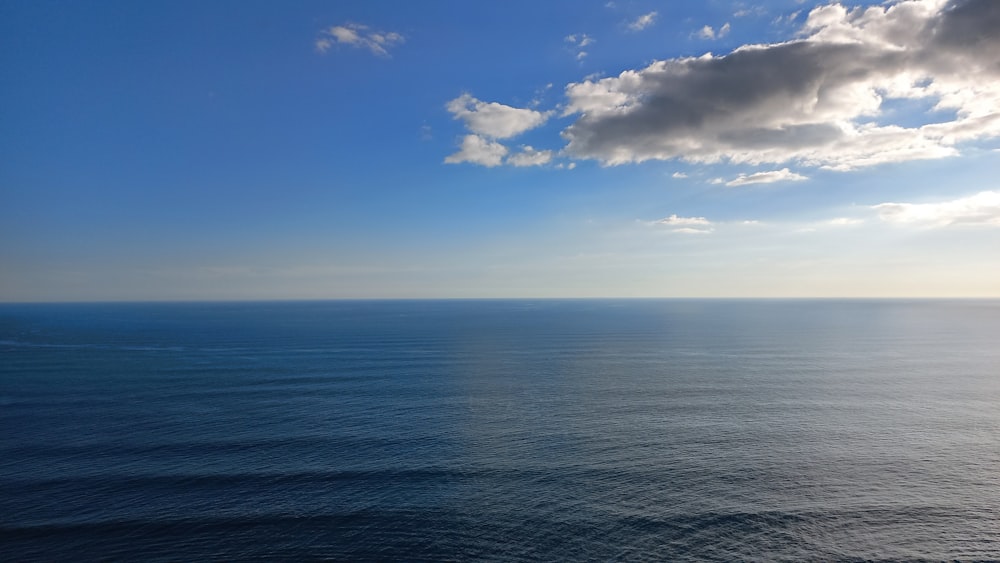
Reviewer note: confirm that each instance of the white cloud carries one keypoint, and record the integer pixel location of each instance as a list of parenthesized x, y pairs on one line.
[(708, 32), (494, 120), (679, 175), (477, 150), (643, 21), (788, 19), (579, 41), (530, 157), (817, 100), (358, 35), (783, 175), (745, 11), (686, 225), (979, 209), (844, 222), (676, 221)]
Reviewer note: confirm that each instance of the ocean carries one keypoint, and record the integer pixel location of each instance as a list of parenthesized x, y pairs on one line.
[(506, 430)]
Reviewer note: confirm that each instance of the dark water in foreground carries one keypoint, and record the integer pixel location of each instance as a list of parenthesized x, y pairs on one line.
[(501, 430)]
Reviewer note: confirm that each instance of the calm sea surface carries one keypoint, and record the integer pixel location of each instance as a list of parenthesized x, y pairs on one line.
[(501, 430)]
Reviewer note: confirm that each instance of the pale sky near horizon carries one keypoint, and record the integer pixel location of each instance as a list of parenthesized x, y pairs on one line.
[(363, 149)]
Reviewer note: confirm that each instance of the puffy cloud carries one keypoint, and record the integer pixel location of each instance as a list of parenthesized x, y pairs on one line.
[(477, 150), (494, 120), (358, 35), (530, 157), (643, 21), (783, 175), (979, 209), (816, 100)]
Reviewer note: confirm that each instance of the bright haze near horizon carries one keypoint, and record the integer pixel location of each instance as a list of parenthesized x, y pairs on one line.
[(308, 150)]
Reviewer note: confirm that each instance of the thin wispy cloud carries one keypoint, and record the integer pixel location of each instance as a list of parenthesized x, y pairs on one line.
[(578, 42), (358, 36), (643, 21), (844, 221), (687, 225), (708, 32), (769, 177), (674, 220), (747, 11)]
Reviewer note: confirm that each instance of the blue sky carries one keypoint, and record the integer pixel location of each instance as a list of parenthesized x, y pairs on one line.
[(301, 150)]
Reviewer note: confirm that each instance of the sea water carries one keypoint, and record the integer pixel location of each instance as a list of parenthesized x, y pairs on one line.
[(513, 430)]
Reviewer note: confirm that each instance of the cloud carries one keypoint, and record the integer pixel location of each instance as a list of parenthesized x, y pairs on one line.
[(643, 21), (530, 157), (360, 36), (679, 175), (494, 120), (783, 175), (844, 222), (579, 41), (979, 209), (674, 221), (708, 32), (749, 11), (687, 225), (477, 150), (816, 100)]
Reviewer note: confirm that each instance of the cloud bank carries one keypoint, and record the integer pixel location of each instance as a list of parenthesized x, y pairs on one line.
[(816, 100), (979, 209)]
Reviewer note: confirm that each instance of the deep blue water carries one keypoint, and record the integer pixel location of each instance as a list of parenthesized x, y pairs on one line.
[(501, 430)]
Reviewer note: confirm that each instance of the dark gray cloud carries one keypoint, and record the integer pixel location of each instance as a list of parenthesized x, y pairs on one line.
[(970, 27), (812, 100)]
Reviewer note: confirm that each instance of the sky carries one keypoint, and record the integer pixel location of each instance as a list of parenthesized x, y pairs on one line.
[(191, 150)]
